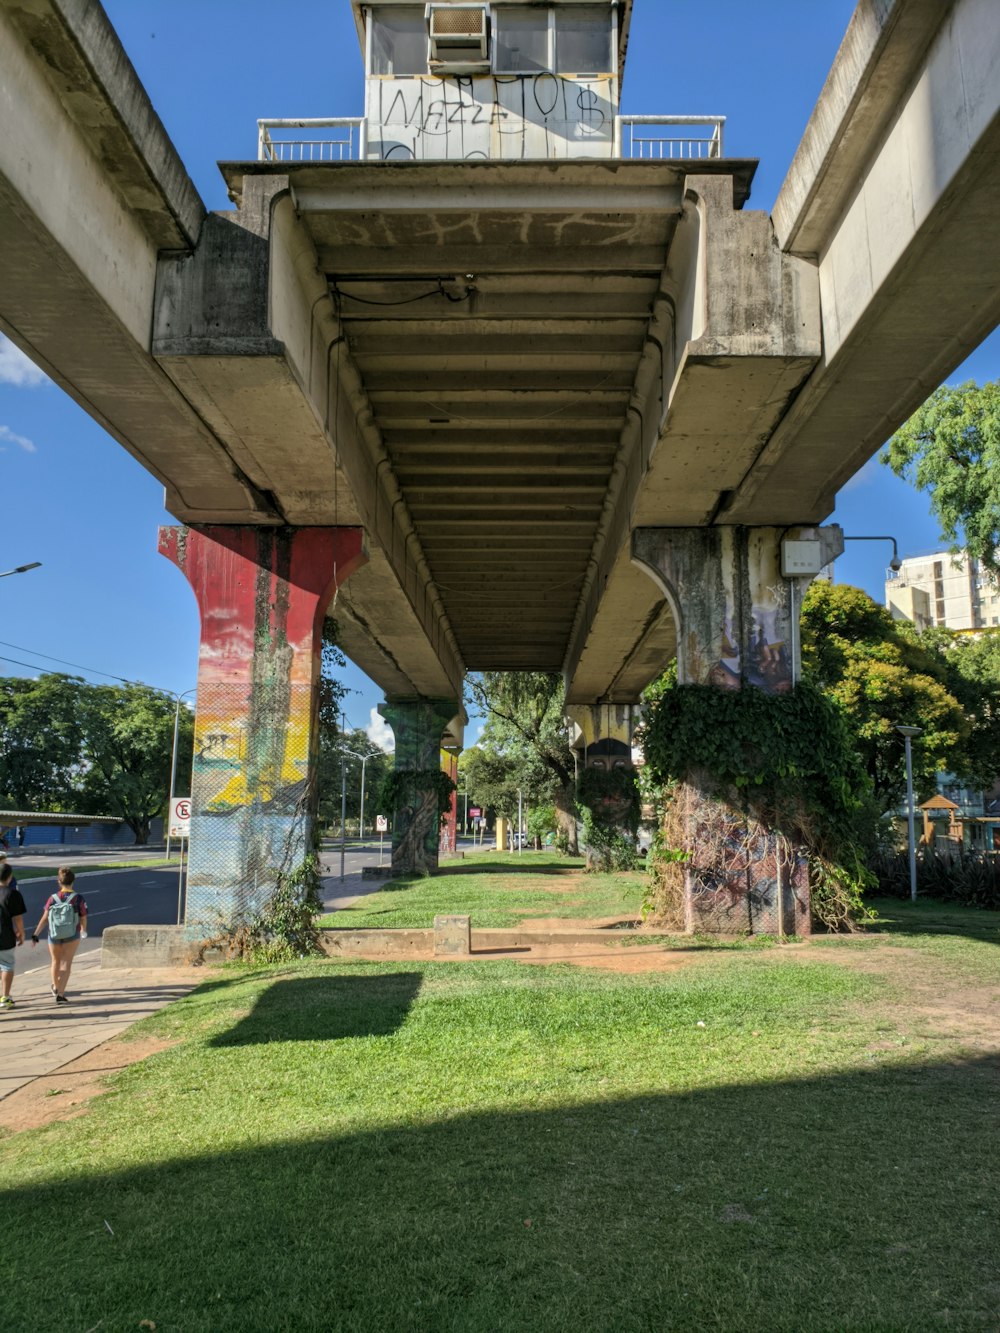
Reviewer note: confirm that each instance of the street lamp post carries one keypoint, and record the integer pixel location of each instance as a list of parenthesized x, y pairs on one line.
[(21, 569), (907, 734), (364, 760)]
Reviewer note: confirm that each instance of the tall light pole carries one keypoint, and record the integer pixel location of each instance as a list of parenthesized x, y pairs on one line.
[(907, 734), (21, 569), (173, 759), (364, 760)]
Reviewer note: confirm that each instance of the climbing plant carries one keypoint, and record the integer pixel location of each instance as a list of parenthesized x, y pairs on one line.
[(782, 762), (612, 809), (398, 786)]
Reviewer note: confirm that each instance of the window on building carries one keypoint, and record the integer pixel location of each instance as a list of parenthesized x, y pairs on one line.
[(399, 40), (583, 39), (521, 40)]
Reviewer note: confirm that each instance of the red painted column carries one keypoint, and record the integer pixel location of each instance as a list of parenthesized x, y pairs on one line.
[(263, 594)]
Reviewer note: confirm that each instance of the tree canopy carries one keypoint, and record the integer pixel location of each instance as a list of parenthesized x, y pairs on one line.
[(881, 674), (950, 448), (525, 736), (90, 749)]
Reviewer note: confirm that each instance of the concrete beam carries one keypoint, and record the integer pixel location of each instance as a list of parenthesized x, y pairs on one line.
[(899, 192)]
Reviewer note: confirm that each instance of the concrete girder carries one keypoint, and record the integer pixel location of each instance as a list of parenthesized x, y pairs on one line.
[(893, 195), (247, 328), (744, 335), (78, 299)]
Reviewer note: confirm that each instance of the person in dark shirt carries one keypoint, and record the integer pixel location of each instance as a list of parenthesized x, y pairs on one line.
[(12, 911)]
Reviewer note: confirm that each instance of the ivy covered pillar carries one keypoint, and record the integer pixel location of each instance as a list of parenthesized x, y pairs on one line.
[(262, 594), (741, 864), (418, 726)]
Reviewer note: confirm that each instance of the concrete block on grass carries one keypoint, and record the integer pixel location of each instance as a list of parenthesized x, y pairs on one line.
[(452, 936)]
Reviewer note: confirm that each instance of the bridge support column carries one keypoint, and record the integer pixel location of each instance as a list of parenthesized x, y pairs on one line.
[(418, 726), (737, 629), (263, 594)]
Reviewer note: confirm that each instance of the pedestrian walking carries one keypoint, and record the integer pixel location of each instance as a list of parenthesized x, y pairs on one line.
[(65, 914), (12, 911)]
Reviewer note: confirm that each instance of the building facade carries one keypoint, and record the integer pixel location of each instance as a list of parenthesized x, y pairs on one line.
[(943, 589)]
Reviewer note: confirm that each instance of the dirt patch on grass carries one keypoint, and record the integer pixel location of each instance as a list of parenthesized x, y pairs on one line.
[(608, 923), (611, 958), (64, 1093), (937, 1004)]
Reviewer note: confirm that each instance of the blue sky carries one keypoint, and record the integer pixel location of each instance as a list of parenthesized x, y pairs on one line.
[(76, 501)]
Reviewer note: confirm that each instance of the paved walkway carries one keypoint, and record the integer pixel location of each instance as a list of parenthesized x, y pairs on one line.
[(38, 1036)]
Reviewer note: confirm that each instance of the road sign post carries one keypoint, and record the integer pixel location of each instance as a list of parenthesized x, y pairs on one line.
[(179, 826)]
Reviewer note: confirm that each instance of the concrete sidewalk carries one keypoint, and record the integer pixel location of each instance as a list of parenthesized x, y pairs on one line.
[(38, 1036)]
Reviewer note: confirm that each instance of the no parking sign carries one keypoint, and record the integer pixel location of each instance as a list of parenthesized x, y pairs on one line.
[(180, 817)]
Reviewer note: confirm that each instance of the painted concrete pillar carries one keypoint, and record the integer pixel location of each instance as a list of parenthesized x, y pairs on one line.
[(448, 839), (262, 593), (418, 726), (737, 628)]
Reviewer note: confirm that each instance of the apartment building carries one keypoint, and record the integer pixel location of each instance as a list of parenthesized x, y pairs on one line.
[(943, 589)]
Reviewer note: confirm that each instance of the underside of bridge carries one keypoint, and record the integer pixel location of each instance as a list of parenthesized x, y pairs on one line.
[(554, 415)]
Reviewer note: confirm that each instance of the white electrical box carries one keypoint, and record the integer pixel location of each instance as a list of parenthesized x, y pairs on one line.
[(801, 560)]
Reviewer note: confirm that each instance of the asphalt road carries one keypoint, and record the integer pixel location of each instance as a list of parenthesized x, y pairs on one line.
[(149, 897)]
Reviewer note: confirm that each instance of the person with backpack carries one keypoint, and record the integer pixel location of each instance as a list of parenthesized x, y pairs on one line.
[(65, 914), (11, 932)]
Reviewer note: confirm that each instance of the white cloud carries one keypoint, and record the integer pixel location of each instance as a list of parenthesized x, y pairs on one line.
[(21, 441), (864, 475), (16, 369), (380, 733)]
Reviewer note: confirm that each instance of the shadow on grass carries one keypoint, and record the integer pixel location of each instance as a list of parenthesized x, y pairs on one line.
[(795, 1205), (319, 1008)]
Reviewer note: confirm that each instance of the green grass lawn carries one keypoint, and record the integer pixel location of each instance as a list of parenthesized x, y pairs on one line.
[(757, 1141), (49, 872), (499, 889)]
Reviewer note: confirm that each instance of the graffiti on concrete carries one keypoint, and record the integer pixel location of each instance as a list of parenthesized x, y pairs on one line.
[(495, 116), (733, 605), (262, 594)]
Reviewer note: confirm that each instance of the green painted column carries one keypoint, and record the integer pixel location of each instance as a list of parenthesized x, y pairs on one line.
[(418, 726)]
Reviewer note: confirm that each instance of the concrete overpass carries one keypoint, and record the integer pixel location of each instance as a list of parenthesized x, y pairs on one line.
[(501, 373)]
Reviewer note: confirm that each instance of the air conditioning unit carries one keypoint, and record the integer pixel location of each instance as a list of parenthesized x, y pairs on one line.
[(459, 38)]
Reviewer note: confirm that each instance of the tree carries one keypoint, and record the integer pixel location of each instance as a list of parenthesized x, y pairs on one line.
[(526, 725), (950, 448), (881, 675), (127, 744), (491, 777), (40, 742), (972, 665)]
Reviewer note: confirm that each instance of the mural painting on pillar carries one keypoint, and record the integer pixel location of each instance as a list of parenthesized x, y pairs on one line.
[(734, 632), (448, 838), (262, 594), (417, 726)]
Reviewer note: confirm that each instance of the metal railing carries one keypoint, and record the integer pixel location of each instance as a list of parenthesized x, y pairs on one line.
[(347, 143), (635, 137), (345, 139)]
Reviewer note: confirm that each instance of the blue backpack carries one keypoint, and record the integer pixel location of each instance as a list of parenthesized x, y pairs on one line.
[(63, 918)]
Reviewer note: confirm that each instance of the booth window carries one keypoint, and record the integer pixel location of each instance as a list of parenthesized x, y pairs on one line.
[(583, 39), (399, 40), (521, 40)]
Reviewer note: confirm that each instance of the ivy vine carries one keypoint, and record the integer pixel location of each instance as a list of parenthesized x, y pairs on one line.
[(398, 787), (788, 760)]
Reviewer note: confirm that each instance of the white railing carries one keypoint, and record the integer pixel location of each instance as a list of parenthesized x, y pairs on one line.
[(343, 139), (650, 137)]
